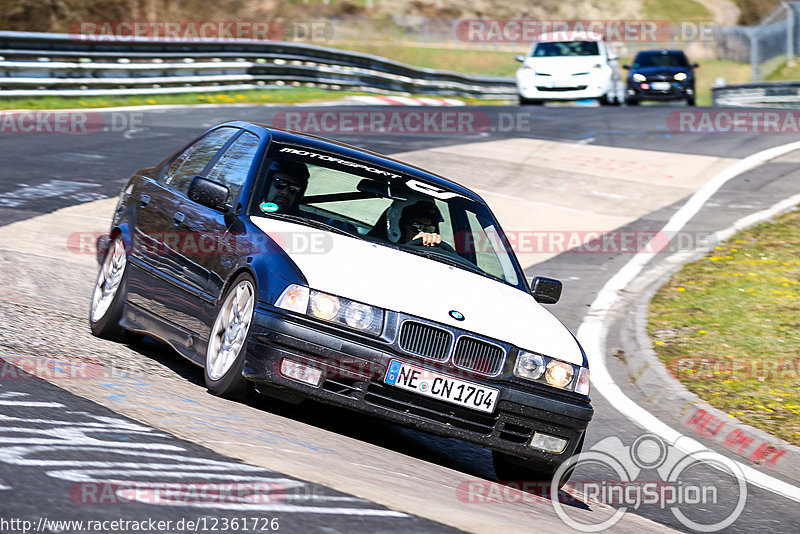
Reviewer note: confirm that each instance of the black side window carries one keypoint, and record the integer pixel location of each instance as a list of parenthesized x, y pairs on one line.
[(200, 154), (231, 169)]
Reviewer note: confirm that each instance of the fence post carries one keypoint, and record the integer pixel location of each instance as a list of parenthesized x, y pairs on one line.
[(752, 34), (789, 32)]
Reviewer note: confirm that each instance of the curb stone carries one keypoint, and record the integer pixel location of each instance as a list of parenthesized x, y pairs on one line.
[(685, 410)]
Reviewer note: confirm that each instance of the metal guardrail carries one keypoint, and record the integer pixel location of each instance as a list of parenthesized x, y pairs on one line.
[(764, 94), (34, 64)]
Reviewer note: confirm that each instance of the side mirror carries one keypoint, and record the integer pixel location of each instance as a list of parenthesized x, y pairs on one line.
[(208, 193), (695, 65), (626, 67), (520, 58), (546, 290)]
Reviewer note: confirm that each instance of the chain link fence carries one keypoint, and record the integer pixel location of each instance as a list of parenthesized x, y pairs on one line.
[(765, 46)]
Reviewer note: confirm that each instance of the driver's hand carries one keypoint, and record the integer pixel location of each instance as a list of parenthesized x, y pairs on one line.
[(429, 240)]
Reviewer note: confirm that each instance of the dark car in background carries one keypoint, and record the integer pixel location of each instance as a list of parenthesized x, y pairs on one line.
[(661, 75)]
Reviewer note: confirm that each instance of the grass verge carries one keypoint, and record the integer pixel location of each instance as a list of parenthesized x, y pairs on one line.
[(728, 326), (293, 95), (666, 10), (473, 61), (259, 96)]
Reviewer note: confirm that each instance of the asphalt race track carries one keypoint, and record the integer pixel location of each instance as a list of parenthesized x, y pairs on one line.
[(98, 431)]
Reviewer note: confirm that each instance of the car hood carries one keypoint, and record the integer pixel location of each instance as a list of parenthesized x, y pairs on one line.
[(563, 65), (404, 282)]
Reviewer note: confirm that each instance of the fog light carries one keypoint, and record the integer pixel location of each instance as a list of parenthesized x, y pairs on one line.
[(548, 443), (300, 372)]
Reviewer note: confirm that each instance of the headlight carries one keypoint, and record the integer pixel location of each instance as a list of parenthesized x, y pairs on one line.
[(327, 307), (324, 306), (529, 365), (680, 76), (552, 372), (558, 374), (639, 77), (359, 315)]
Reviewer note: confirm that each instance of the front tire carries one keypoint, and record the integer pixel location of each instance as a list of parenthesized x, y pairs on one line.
[(226, 344), (530, 101), (110, 291)]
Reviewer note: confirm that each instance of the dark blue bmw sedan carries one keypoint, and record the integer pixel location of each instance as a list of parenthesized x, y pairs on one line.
[(301, 268)]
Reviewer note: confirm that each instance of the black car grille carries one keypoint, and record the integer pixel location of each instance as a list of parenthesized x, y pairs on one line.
[(478, 356), (559, 89), (425, 340)]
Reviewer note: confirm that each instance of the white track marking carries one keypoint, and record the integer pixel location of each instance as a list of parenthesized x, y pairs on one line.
[(592, 332)]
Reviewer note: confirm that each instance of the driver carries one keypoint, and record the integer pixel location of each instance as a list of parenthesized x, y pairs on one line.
[(286, 184), (421, 221)]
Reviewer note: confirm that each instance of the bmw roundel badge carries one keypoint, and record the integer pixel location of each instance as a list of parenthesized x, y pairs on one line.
[(457, 315)]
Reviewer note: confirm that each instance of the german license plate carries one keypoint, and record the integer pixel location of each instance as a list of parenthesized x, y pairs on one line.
[(442, 387), (661, 86)]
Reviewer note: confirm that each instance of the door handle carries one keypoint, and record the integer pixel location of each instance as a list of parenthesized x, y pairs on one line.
[(145, 200), (178, 218)]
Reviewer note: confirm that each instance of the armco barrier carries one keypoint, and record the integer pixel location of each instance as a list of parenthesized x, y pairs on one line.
[(59, 64), (764, 94)]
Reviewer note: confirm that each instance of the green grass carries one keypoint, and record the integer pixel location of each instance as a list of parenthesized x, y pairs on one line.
[(675, 10), (489, 62), (786, 71), (263, 96), (728, 326), (711, 69)]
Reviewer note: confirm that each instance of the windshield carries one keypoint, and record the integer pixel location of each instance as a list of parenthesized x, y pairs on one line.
[(384, 207), (660, 60), (567, 48)]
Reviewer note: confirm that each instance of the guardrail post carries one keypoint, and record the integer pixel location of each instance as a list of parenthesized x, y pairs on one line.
[(789, 31), (753, 36)]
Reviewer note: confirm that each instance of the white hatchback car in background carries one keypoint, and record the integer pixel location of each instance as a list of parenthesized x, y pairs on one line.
[(570, 66)]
